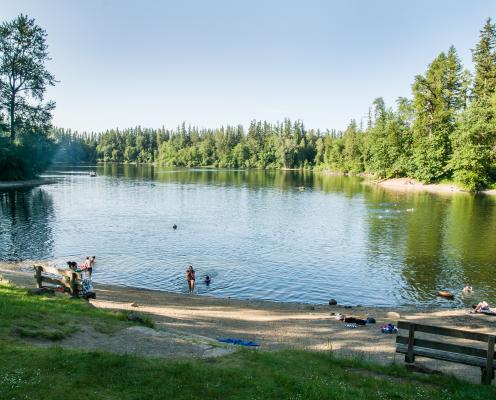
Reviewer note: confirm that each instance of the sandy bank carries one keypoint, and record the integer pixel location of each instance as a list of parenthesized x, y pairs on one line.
[(412, 185), (277, 325), (25, 184)]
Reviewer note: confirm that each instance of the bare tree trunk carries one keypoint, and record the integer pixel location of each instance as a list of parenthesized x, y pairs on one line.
[(12, 116)]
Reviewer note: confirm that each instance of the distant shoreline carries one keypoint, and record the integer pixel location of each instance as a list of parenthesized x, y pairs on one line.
[(412, 185), (25, 184)]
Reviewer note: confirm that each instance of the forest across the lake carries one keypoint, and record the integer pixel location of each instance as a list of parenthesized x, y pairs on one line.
[(446, 130)]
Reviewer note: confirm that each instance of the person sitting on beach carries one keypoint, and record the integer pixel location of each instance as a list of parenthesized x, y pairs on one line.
[(190, 278), (482, 306), (207, 280)]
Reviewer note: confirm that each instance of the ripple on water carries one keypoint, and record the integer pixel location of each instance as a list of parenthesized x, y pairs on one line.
[(257, 235)]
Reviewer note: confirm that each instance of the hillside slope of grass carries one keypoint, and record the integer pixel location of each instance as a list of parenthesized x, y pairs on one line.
[(28, 371)]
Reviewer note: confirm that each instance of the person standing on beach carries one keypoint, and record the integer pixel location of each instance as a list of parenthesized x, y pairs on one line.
[(190, 277)]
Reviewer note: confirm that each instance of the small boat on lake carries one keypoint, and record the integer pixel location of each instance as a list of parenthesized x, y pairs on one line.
[(92, 174)]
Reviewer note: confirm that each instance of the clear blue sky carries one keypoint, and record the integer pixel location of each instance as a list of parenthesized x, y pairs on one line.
[(153, 63)]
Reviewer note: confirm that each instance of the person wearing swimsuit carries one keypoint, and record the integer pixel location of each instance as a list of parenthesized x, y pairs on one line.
[(89, 267), (190, 277)]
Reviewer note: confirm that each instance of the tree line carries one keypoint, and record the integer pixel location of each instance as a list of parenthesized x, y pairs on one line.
[(445, 130)]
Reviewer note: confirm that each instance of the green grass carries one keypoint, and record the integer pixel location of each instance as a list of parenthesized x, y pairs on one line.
[(31, 372), (53, 317)]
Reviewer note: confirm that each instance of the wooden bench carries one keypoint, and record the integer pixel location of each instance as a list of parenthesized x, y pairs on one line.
[(70, 280), (468, 354)]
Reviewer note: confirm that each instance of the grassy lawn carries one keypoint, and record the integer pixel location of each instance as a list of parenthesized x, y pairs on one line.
[(51, 317), (31, 372)]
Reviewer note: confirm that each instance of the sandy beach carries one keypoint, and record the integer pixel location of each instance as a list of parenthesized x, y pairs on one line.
[(186, 320), (412, 185)]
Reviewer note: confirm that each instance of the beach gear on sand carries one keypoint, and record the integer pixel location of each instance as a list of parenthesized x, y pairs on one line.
[(239, 342), (351, 326), (389, 328), (353, 320)]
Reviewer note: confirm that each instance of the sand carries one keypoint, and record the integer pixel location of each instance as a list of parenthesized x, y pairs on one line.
[(412, 185), (199, 320)]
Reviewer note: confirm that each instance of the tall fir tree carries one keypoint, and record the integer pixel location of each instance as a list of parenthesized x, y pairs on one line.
[(472, 161), (484, 58), (438, 96)]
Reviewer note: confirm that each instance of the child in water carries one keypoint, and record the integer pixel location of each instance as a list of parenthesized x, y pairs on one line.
[(207, 280)]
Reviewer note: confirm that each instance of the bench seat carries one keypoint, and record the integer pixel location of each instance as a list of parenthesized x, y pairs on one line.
[(475, 349)]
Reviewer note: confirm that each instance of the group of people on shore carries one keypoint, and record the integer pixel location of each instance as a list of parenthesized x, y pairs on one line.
[(86, 266), (89, 262), (191, 278), (480, 308)]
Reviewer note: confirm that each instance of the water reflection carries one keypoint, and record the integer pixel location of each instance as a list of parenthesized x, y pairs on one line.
[(259, 234), (26, 224), (253, 179), (437, 242)]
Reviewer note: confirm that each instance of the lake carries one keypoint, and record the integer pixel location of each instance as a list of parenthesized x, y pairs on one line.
[(276, 235)]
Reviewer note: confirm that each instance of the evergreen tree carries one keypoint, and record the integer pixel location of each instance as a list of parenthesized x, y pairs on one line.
[(438, 97), (484, 58), (473, 156)]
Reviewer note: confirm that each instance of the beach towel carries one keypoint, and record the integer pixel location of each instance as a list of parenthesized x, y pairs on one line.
[(389, 328), (239, 342)]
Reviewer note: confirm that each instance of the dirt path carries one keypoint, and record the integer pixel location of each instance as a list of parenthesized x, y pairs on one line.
[(280, 325)]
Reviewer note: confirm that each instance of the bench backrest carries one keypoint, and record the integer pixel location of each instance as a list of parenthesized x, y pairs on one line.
[(468, 350), (57, 276)]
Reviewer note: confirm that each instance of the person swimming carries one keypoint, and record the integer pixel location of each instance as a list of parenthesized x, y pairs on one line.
[(207, 280), (467, 289)]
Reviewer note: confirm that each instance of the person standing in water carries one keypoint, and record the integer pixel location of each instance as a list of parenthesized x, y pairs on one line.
[(92, 263), (190, 277), (86, 267)]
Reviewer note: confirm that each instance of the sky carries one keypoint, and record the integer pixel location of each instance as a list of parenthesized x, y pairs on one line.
[(211, 63)]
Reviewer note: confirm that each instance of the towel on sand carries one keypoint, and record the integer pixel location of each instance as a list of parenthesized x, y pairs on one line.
[(240, 342)]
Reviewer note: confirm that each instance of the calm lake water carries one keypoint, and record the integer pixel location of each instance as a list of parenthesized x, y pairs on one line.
[(257, 234)]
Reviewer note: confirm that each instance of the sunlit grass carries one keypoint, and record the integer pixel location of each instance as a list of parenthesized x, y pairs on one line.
[(28, 371)]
